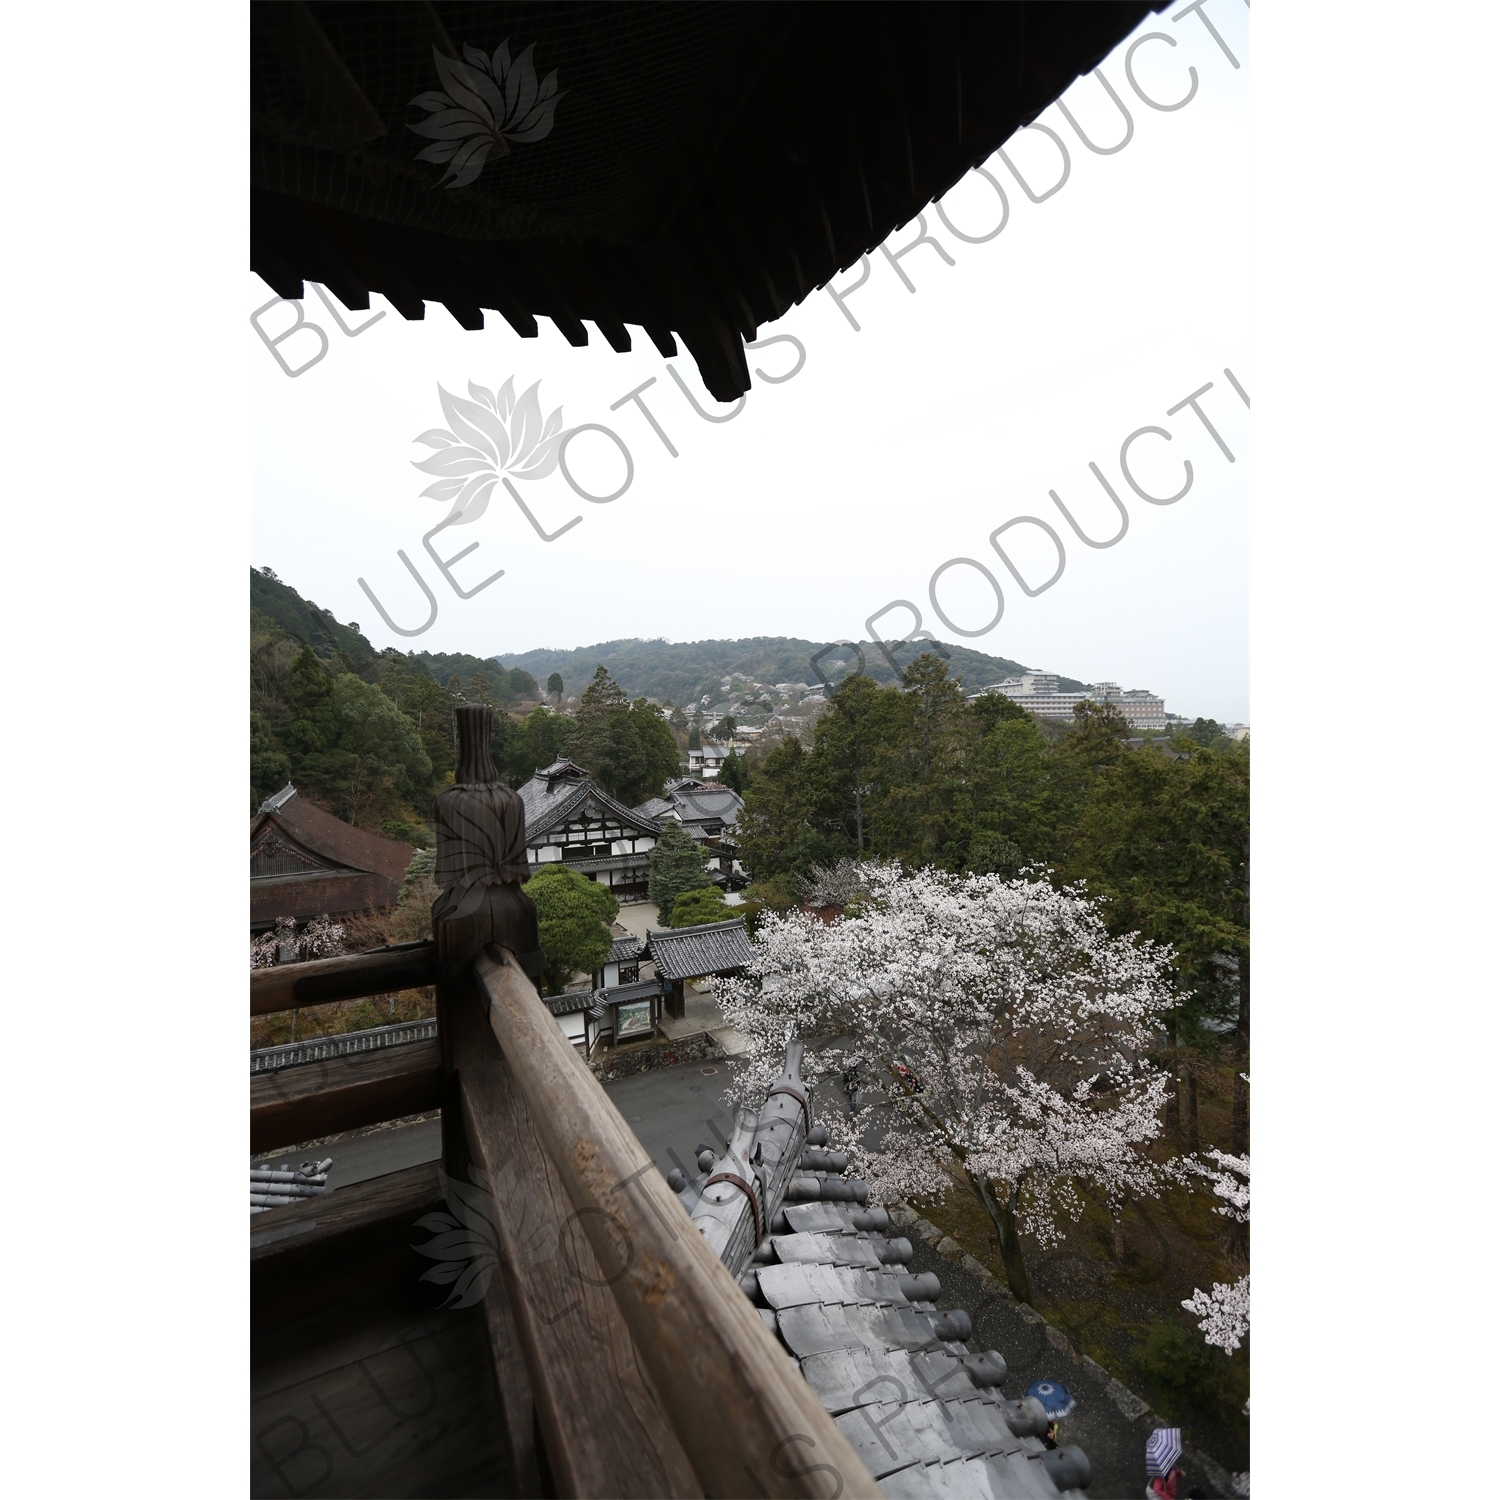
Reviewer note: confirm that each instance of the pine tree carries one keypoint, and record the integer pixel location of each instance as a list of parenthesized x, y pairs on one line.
[(677, 865)]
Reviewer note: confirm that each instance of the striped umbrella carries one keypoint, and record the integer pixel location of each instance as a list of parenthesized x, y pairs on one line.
[(1163, 1449), (1053, 1395)]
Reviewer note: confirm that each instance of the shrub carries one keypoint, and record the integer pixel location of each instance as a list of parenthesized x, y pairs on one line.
[(702, 905)]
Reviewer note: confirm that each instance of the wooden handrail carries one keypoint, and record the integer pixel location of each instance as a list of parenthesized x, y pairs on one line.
[(408, 966), (746, 1419), (326, 1097)]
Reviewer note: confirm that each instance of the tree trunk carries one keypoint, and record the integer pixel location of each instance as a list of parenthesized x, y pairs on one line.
[(1117, 1217), (1239, 1128), (1190, 1100), (1003, 1216), (1239, 1125)]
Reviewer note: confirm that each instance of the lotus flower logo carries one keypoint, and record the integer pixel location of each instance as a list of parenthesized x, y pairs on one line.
[(482, 108), (491, 435), (466, 1246)]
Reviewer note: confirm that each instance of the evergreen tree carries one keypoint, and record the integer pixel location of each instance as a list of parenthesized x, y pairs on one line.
[(573, 913), (925, 813), (695, 739), (555, 685), (1165, 842), (677, 865), (1014, 800), (541, 738), (270, 770), (782, 832), (626, 747), (990, 709), (848, 742)]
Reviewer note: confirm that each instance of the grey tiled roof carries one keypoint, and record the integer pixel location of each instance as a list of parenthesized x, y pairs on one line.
[(712, 948), (571, 1004), (640, 862), (710, 804), (554, 794), (924, 1412), (623, 949), (624, 994)]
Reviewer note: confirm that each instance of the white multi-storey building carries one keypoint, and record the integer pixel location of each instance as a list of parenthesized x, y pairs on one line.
[(1038, 693)]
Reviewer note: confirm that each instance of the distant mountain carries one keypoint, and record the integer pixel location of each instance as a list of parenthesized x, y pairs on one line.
[(682, 671), (677, 671)]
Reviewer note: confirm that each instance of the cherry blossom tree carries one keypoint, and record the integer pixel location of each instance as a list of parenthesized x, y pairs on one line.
[(1224, 1313), (1007, 1030), (321, 938)]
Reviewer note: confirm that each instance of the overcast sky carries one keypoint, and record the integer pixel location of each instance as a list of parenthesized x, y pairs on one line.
[(953, 409)]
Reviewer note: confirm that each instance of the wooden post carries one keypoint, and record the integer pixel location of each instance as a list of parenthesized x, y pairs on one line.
[(481, 862)]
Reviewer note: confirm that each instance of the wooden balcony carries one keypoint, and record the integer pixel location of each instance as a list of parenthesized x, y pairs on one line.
[(604, 1348)]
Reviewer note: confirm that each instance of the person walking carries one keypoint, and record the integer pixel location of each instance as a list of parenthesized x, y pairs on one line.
[(851, 1085), (1163, 1449)]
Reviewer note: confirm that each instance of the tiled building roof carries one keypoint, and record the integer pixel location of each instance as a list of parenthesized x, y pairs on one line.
[(305, 862), (625, 994), (554, 794), (688, 952), (923, 1411), (624, 949), (695, 804), (708, 804)]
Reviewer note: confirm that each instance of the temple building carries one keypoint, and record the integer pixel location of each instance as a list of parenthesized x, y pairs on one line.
[(708, 812), (305, 862), (683, 954), (571, 820)]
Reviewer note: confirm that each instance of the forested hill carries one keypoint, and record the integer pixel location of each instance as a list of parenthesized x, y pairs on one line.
[(304, 621), (310, 625), (679, 672), (682, 671)]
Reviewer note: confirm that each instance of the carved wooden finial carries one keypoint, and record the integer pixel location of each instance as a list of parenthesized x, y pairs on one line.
[(481, 856), (475, 765)]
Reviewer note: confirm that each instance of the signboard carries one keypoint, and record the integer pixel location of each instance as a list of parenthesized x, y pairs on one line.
[(633, 1020)]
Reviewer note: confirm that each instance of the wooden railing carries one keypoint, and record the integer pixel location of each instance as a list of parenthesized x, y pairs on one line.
[(615, 1330)]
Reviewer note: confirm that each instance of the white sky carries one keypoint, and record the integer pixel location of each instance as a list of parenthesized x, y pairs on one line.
[(894, 449)]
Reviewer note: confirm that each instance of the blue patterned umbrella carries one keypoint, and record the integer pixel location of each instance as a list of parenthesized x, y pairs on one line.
[(1053, 1395), (1163, 1449)]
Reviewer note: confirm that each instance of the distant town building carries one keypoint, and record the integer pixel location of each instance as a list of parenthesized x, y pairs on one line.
[(1038, 693), (708, 761)]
